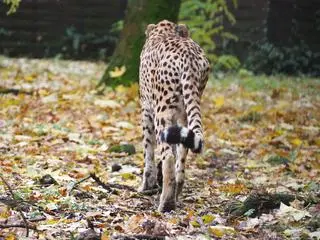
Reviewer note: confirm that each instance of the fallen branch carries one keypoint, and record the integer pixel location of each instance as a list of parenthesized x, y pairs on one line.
[(26, 224), (17, 226), (138, 236), (13, 91), (109, 186)]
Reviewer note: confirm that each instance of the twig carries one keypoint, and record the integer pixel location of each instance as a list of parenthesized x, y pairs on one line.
[(80, 181), (37, 219), (13, 91), (118, 208), (17, 226), (138, 236), (27, 226), (8, 186), (102, 184), (12, 203), (109, 186), (121, 186), (151, 191)]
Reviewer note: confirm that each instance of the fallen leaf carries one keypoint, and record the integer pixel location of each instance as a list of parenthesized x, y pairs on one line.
[(218, 101), (195, 224), (292, 213), (249, 224), (296, 141), (124, 124), (207, 219), (220, 230), (50, 98), (106, 103), (117, 72)]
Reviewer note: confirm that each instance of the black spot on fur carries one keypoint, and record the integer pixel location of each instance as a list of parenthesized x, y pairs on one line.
[(159, 174)]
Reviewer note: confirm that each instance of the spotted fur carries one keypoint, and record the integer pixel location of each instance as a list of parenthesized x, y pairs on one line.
[(173, 74)]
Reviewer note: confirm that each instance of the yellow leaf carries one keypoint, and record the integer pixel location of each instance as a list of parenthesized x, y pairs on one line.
[(29, 78), (52, 221), (220, 231), (257, 108), (128, 176), (296, 141), (216, 231), (105, 236), (195, 224), (219, 101), (117, 72), (43, 92), (234, 189), (9, 102), (207, 219), (173, 220), (11, 236), (121, 89), (4, 213)]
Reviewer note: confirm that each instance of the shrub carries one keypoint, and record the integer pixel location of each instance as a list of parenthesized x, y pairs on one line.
[(205, 21), (271, 59)]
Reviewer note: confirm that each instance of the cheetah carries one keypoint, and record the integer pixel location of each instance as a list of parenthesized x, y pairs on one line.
[(172, 76)]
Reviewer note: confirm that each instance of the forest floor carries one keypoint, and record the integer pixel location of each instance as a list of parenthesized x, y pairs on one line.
[(62, 171)]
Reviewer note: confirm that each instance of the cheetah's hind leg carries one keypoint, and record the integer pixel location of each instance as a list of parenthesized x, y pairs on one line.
[(149, 181), (167, 157)]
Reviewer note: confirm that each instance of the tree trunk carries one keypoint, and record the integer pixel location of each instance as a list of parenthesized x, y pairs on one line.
[(139, 14)]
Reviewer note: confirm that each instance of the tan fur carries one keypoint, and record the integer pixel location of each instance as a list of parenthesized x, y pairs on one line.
[(173, 74)]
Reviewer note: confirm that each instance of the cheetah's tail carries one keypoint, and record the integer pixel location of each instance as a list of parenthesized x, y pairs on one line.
[(178, 134)]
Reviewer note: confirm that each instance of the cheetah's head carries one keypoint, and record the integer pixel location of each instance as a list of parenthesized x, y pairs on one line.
[(167, 28)]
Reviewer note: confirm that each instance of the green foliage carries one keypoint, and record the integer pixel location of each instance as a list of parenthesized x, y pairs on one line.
[(13, 5), (205, 21), (277, 160), (266, 57), (127, 148), (117, 27), (292, 57)]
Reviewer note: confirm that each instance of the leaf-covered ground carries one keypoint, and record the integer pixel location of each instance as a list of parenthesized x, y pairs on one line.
[(257, 179)]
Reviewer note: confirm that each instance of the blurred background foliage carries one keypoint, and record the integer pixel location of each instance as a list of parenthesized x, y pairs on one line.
[(13, 5), (266, 57), (266, 36), (205, 20)]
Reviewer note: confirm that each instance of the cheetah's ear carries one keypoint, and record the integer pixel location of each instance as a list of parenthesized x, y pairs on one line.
[(150, 27), (182, 30)]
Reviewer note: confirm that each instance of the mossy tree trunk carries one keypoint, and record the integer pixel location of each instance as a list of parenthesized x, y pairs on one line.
[(139, 14)]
